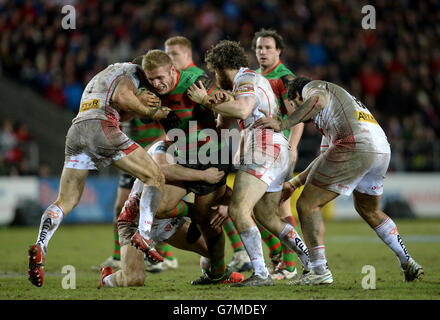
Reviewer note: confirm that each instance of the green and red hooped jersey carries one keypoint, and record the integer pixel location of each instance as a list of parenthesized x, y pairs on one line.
[(146, 133), (277, 77), (186, 111), (194, 69)]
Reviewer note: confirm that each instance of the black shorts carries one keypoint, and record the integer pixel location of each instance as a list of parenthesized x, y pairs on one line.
[(126, 181), (202, 188)]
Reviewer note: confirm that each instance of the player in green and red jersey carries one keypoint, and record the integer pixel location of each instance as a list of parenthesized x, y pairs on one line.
[(179, 49), (171, 84), (268, 46)]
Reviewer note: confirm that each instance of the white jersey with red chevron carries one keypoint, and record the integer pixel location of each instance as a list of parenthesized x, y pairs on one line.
[(96, 100), (264, 153), (249, 83)]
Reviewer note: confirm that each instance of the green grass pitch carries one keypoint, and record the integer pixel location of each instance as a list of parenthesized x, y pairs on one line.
[(350, 245)]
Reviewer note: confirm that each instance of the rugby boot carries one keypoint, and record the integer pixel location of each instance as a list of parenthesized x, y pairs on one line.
[(228, 277), (105, 272), (36, 265), (255, 281), (147, 247), (413, 271), (311, 278)]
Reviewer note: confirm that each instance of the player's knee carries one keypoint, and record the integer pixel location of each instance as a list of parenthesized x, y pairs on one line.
[(155, 179), (234, 212)]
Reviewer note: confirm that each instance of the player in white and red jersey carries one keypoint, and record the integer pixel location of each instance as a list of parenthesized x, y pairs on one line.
[(94, 141), (174, 230), (354, 159), (264, 155)]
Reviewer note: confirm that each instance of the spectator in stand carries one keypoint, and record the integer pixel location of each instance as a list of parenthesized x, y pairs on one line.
[(387, 67)]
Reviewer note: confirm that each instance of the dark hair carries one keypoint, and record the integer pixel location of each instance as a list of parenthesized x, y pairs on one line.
[(296, 85), (226, 55), (269, 33)]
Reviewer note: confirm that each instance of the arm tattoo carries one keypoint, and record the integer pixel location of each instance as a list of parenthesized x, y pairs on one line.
[(306, 111)]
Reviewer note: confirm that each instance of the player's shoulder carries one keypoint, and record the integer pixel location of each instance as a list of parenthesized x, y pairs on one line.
[(284, 71), (246, 74), (316, 84)]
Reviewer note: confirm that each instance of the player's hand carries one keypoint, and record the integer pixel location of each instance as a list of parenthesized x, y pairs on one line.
[(287, 191), (147, 98), (220, 97), (219, 217), (158, 113), (212, 175), (267, 122), (198, 94)]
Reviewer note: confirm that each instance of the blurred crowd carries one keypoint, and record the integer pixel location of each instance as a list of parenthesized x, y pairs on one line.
[(394, 69)]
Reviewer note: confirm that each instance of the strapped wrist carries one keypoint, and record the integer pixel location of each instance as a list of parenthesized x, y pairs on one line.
[(205, 101), (295, 182)]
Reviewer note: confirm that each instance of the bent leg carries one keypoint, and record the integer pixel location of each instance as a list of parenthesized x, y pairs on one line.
[(309, 206), (214, 237), (179, 240), (139, 164), (265, 213), (132, 271), (248, 190)]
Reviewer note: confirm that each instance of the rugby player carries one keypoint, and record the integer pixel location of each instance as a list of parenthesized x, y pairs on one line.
[(265, 155), (269, 46), (355, 162), (179, 50), (173, 230), (145, 134), (94, 140), (191, 118)]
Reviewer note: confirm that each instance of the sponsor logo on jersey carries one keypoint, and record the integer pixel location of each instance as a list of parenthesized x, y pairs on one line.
[(363, 116), (91, 104)]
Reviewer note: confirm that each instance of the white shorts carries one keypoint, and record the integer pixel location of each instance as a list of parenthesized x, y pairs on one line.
[(269, 162), (94, 144), (161, 230), (342, 172)]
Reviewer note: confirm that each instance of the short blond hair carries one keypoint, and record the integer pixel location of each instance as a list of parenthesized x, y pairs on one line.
[(154, 59), (179, 40)]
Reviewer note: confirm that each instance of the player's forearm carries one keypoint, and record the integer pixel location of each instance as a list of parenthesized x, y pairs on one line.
[(177, 172), (127, 101), (232, 109), (295, 135), (308, 110)]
